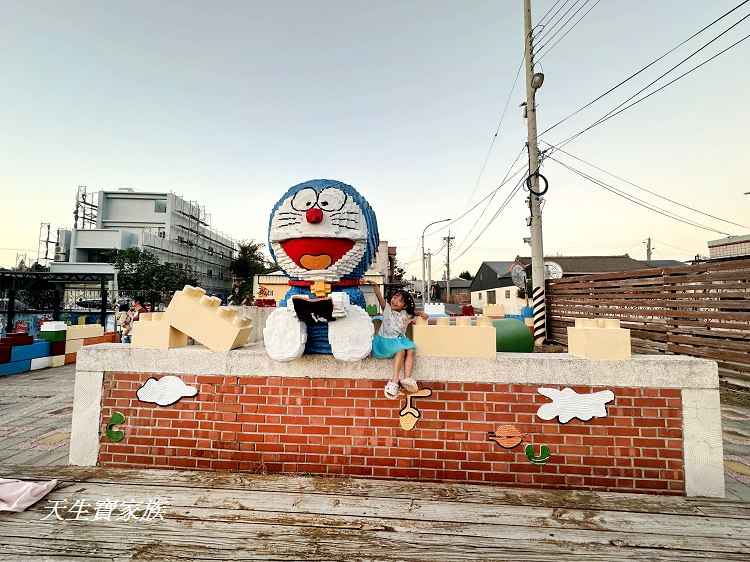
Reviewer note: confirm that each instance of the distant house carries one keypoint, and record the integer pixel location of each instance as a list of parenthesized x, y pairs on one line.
[(493, 284), (460, 291), (729, 247)]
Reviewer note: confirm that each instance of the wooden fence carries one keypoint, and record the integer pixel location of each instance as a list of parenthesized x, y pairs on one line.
[(699, 310)]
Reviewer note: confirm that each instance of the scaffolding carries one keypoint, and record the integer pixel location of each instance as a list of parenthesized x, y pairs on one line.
[(85, 209), (44, 240)]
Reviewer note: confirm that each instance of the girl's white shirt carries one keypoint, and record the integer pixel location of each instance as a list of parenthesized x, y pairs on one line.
[(394, 323)]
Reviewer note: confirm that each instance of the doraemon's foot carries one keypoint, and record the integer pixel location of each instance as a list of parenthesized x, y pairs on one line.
[(284, 335), (351, 337)]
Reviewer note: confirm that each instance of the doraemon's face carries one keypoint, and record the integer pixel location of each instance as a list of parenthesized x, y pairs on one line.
[(318, 233)]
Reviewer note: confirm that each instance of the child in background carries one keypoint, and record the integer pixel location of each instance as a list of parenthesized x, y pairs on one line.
[(391, 340), (122, 319)]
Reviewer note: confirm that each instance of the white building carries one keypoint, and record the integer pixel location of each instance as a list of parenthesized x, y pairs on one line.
[(729, 247), (175, 230)]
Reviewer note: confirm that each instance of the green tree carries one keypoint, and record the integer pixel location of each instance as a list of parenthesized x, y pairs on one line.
[(466, 275), (140, 270), (250, 261)]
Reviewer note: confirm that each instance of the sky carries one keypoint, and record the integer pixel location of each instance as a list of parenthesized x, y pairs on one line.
[(231, 103)]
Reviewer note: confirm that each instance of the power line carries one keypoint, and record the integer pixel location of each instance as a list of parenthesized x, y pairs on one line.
[(547, 31), (647, 190), (548, 11), (503, 182), (539, 57), (564, 25), (649, 65), (494, 138), (635, 200), (608, 116), (504, 204)]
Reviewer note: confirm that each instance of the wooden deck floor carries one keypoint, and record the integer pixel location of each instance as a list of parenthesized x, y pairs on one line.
[(231, 516)]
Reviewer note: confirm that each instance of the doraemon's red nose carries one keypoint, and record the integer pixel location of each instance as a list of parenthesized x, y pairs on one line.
[(314, 215)]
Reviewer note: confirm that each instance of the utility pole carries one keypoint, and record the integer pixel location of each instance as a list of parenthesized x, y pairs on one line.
[(533, 82), (648, 249), (448, 240), (429, 276)]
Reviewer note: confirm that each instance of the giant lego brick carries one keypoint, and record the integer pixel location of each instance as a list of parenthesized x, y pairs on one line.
[(57, 360), (69, 358), (40, 348), (202, 318), (15, 367), (107, 337), (57, 348), (460, 340), (76, 336), (153, 332), (599, 338), (84, 331), (41, 363), (13, 339), (4, 353), (53, 331), (495, 310)]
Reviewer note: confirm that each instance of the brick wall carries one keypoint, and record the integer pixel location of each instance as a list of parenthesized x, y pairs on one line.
[(347, 427)]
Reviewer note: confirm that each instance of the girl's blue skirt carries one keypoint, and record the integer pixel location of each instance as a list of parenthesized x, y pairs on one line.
[(383, 348)]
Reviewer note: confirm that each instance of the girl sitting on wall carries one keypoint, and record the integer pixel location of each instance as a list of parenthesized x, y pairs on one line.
[(391, 340)]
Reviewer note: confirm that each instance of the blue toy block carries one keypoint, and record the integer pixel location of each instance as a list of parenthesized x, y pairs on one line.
[(40, 348), (16, 367)]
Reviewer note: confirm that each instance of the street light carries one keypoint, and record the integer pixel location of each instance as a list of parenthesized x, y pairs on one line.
[(423, 255)]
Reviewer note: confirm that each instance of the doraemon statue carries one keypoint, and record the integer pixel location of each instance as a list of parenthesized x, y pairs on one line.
[(323, 235)]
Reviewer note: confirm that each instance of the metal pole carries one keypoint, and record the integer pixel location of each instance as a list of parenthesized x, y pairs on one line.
[(537, 249), (448, 268), (424, 256), (429, 275)]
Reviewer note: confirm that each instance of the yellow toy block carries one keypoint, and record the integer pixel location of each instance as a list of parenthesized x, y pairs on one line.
[(496, 310), (202, 318), (461, 340), (599, 338), (151, 331), (75, 335), (57, 361), (79, 332)]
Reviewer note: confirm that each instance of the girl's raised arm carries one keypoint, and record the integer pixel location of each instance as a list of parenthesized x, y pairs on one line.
[(378, 294)]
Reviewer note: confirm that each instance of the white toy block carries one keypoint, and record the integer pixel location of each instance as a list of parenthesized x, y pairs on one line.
[(41, 363), (495, 310), (461, 340), (599, 338), (151, 331), (55, 326), (202, 318), (432, 308)]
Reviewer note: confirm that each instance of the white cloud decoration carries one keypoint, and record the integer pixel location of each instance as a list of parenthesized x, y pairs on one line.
[(568, 404), (164, 391)]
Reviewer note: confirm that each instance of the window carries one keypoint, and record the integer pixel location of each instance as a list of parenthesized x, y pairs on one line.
[(507, 294), (160, 206), (491, 297), (480, 296)]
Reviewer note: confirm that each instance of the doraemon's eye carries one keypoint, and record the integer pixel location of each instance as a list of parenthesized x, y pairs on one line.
[(304, 199), (331, 199)]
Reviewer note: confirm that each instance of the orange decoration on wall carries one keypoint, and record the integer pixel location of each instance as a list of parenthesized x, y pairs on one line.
[(507, 436)]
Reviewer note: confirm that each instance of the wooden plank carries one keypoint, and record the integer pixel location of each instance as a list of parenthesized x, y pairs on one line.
[(413, 510), (371, 487), (244, 524)]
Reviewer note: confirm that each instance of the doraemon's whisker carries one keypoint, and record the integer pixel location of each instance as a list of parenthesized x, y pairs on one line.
[(288, 223), (344, 213), (345, 219), (344, 226), (294, 214)]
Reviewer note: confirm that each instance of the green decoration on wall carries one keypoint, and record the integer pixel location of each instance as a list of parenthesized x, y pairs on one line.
[(540, 460), (116, 419)]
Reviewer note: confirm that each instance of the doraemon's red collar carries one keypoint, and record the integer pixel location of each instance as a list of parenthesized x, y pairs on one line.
[(340, 283)]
